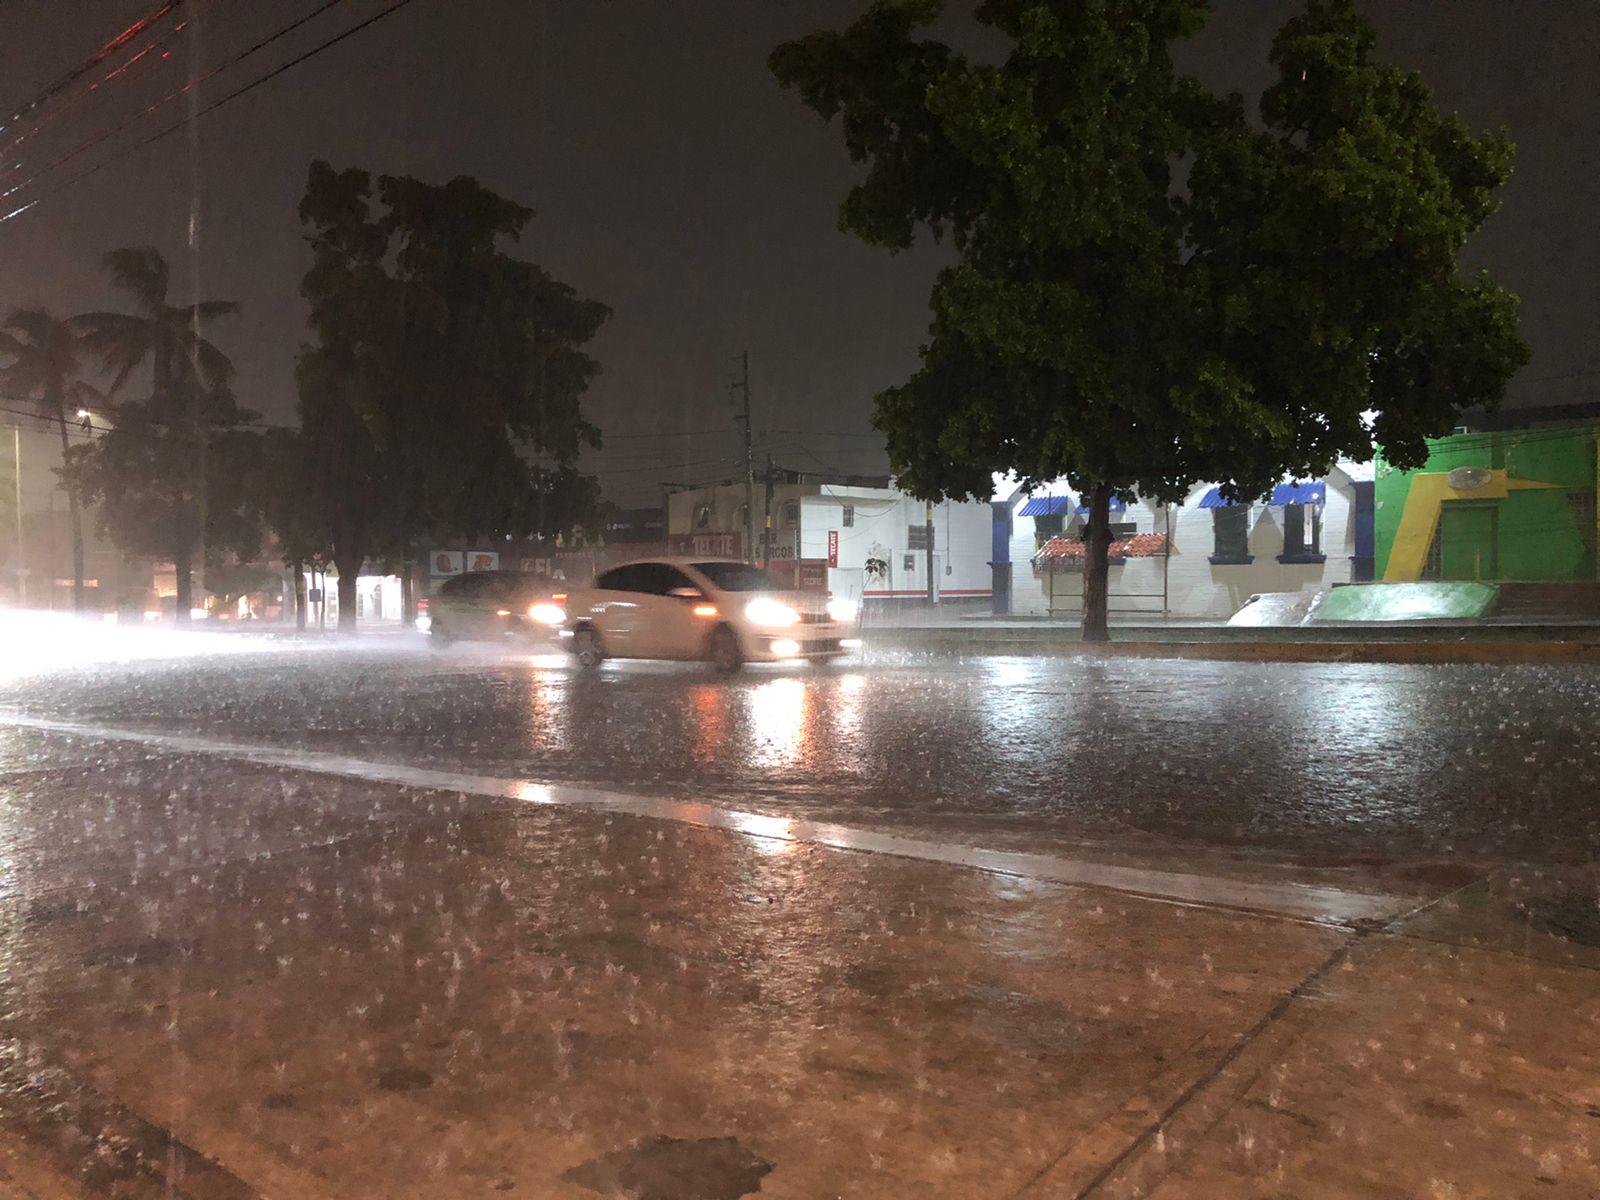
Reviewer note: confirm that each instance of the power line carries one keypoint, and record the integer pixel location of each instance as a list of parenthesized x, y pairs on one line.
[(165, 100), (63, 82), (327, 44), (139, 62)]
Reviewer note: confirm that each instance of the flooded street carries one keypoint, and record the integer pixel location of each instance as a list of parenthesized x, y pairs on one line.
[(370, 921)]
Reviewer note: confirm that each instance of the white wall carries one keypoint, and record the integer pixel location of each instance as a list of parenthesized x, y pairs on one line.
[(882, 529), (1196, 587)]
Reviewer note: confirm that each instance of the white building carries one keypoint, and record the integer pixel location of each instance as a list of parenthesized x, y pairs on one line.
[(1214, 556), (865, 542)]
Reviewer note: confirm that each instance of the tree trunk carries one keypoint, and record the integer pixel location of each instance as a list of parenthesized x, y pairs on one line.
[(74, 514), (1096, 566), (299, 596), (185, 598), (348, 571), (408, 594)]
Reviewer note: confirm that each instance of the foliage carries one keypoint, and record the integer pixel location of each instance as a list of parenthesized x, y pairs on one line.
[(1111, 320), (171, 474), (441, 395), (42, 364), (143, 473)]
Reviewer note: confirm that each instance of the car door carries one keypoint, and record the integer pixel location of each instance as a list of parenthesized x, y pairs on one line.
[(667, 625), (615, 610), (479, 603)]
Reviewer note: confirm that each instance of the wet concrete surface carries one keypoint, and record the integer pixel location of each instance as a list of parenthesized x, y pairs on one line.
[(227, 978)]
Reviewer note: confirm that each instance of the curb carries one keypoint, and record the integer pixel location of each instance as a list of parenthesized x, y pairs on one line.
[(1240, 651)]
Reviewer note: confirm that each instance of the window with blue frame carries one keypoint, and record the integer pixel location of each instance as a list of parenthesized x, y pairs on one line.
[(1302, 534), (1230, 529), (1302, 521)]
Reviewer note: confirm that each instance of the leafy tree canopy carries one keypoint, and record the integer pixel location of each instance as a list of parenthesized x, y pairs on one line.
[(441, 395), (1150, 289)]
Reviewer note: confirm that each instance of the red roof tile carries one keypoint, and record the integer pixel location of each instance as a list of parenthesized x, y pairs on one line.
[(1140, 545)]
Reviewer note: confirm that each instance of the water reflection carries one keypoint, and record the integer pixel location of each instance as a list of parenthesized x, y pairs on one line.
[(778, 714)]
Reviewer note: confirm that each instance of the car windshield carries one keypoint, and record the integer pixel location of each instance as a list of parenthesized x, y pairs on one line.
[(736, 576)]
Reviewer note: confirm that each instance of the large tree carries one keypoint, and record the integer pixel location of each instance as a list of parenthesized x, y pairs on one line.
[(42, 360), (440, 397), (189, 397), (144, 474), (1149, 290)]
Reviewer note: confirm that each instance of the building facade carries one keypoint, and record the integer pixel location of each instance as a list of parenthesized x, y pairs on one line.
[(867, 541), (1202, 558), (1499, 505)]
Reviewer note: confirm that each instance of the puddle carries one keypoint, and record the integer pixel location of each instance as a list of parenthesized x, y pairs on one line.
[(666, 1168), (1572, 917), (404, 1079)]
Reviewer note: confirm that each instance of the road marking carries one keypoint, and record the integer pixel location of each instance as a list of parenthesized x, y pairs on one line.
[(1324, 905)]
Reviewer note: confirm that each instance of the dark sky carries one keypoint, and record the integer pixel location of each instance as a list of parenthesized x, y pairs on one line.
[(674, 181)]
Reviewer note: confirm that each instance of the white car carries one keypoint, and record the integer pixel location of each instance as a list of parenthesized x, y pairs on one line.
[(719, 611)]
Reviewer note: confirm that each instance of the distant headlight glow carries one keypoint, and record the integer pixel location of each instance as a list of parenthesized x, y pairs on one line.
[(547, 614), (764, 610), (841, 609)]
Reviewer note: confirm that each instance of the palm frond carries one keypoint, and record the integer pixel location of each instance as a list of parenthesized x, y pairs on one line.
[(206, 310), (142, 273)]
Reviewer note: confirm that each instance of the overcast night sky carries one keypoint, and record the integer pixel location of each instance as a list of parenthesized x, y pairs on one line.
[(674, 181)]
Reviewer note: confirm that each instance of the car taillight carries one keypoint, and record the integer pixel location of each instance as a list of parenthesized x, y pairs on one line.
[(559, 598), (422, 605)]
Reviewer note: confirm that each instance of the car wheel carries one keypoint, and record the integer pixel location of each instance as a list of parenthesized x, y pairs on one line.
[(586, 649), (723, 651)]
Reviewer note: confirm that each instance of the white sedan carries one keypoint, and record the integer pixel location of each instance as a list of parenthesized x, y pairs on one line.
[(719, 611)]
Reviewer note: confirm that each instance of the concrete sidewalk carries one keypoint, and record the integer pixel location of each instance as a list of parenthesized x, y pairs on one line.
[(231, 980)]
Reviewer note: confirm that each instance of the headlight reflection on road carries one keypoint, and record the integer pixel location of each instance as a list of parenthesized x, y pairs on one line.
[(778, 712), (36, 643)]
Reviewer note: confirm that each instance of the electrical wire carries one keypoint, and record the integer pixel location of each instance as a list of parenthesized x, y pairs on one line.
[(322, 46), (165, 100), (63, 82), (140, 62)]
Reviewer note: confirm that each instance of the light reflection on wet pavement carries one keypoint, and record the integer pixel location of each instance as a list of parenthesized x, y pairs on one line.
[(1337, 763), (265, 981)]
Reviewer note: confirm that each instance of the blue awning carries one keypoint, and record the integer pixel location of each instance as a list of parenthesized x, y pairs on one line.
[(1284, 493), (1118, 504), (1213, 499), (1299, 493), (1046, 506)]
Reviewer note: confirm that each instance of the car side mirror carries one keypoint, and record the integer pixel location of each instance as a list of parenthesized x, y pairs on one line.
[(686, 593)]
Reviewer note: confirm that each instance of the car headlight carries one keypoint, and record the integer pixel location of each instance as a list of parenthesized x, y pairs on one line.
[(841, 609), (764, 610), (547, 614)]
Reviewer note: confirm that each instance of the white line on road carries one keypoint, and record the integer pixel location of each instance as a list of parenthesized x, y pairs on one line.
[(1299, 901)]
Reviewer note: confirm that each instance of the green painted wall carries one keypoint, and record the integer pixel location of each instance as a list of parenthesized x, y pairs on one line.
[(1538, 535)]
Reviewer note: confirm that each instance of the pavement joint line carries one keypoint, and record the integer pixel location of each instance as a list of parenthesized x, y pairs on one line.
[(1391, 927), (1274, 1014), (1315, 904)]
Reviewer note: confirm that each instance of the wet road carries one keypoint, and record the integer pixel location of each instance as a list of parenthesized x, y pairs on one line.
[(1331, 764), (365, 921)]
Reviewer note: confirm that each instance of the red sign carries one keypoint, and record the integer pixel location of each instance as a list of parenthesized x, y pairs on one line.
[(833, 547)]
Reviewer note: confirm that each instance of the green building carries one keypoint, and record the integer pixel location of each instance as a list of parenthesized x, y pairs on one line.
[(1501, 505)]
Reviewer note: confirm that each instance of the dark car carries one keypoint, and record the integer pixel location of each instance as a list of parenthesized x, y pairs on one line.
[(493, 606)]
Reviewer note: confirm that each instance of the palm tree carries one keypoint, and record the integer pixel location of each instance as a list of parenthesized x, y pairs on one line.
[(185, 368), (44, 364)]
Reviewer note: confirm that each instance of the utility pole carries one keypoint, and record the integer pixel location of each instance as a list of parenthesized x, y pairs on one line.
[(927, 525), (16, 466), (742, 386), (766, 524)]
